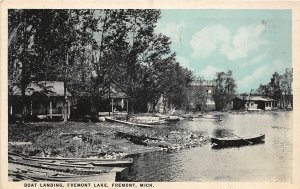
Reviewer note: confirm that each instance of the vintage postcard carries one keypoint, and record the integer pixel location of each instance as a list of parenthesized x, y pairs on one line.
[(149, 94)]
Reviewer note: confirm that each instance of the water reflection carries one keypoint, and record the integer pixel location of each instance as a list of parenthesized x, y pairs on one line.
[(222, 132), (270, 161)]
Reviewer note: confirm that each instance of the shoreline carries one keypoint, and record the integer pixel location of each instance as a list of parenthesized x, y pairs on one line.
[(73, 139), (81, 139)]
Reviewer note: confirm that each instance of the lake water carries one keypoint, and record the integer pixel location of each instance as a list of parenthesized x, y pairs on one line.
[(270, 161)]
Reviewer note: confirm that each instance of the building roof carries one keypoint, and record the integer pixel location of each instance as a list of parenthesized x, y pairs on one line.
[(203, 83), (114, 94), (52, 88), (118, 95), (256, 98)]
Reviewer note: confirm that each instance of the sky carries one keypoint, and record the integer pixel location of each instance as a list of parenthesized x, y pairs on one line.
[(252, 43)]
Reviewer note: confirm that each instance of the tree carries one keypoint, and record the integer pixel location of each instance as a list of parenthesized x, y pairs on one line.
[(176, 85), (224, 90), (137, 60), (274, 86), (199, 94), (285, 84), (263, 90), (41, 43), (22, 57), (91, 50), (279, 88)]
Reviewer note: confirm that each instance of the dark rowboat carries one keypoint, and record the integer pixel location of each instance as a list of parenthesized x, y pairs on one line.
[(172, 118), (237, 141)]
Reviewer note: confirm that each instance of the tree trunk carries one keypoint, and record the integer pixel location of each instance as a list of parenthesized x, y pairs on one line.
[(101, 44), (23, 96), (65, 104), (164, 103), (154, 105), (23, 79)]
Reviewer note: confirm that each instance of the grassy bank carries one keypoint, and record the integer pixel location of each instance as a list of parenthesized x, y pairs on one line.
[(77, 139)]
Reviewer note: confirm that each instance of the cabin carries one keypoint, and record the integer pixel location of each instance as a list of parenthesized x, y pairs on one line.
[(254, 103), (115, 102), (43, 99)]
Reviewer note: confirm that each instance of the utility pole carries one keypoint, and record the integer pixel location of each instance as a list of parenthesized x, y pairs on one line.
[(249, 99)]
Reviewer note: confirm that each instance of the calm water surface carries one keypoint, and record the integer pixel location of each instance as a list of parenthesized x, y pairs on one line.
[(270, 161)]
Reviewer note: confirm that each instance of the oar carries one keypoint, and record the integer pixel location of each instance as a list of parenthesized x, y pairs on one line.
[(243, 139)]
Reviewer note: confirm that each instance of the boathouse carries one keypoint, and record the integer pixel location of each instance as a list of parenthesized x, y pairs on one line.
[(254, 103), (43, 99)]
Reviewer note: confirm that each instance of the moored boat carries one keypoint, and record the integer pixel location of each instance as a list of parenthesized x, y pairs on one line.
[(72, 162), (128, 122), (172, 118), (22, 167), (21, 172), (237, 141)]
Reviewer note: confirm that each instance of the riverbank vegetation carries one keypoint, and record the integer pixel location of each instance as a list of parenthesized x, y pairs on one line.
[(76, 139)]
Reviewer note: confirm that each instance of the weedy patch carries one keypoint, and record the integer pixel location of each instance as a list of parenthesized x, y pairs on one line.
[(75, 139)]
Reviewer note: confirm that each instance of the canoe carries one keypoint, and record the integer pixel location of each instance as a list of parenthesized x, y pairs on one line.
[(128, 122), (238, 141), (115, 163), (148, 120)]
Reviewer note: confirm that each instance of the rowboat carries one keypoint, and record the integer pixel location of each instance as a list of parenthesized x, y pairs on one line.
[(120, 163), (172, 118), (19, 172), (128, 122), (237, 141), (87, 163), (22, 167)]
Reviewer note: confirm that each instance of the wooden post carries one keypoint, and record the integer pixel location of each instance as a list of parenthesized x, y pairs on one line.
[(65, 105), (112, 106), (127, 105), (69, 113), (50, 109), (31, 107), (265, 105)]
